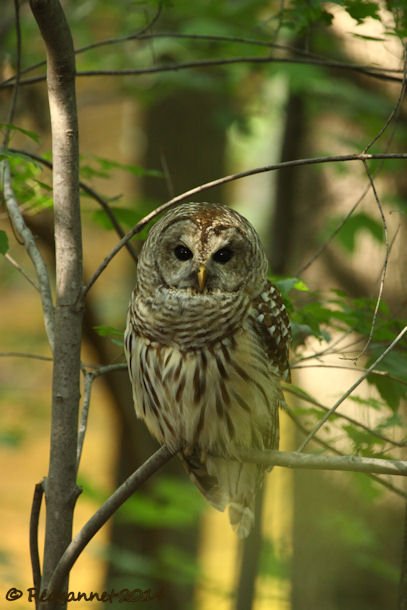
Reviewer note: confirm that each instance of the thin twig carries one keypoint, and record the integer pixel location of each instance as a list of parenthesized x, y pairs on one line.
[(25, 355), (291, 390), (83, 422), (224, 180), (13, 105), (382, 74), (385, 262), (329, 447), (90, 377), (31, 247), (327, 415), (20, 269), (141, 37), (332, 236), (395, 111), (34, 521)]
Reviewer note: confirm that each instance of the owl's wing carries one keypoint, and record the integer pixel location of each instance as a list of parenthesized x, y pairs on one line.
[(273, 326)]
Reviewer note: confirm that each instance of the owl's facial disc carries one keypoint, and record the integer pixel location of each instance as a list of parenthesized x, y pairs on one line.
[(201, 258)]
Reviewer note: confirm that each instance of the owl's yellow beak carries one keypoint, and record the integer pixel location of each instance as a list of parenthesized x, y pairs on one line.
[(201, 277)]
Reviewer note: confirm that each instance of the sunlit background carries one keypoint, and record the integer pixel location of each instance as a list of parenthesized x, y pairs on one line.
[(331, 540)]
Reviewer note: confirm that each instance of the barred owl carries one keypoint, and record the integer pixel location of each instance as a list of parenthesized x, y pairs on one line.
[(207, 345)]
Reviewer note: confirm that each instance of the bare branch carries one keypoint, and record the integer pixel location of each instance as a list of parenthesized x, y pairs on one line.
[(346, 463), (385, 262), (31, 247), (224, 180), (158, 459), (350, 390), (83, 423), (381, 74), (25, 355), (20, 269), (120, 495), (34, 520)]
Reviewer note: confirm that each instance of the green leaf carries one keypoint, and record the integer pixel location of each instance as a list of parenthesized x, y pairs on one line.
[(368, 402), (105, 166), (287, 284), (109, 331), (124, 216), (392, 388), (360, 10), (4, 245), (26, 132), (357, 223)]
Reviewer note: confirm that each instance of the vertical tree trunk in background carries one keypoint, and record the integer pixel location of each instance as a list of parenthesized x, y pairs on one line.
[(287, 187), (186, 139), (60, 486)]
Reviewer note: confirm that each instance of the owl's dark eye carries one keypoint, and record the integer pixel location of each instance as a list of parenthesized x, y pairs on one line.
[(223, 255), (182, 253)]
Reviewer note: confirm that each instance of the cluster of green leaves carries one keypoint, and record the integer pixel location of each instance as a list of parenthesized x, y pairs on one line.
[(318, 316)]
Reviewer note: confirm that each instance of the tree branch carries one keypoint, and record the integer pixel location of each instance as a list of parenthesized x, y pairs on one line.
[(346, 463), (381, 74), (28, 241), (34, 520), (120, 495), (163, 455), (224, 180)]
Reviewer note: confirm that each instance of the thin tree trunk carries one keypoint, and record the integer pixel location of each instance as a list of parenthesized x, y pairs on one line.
[(60, 486)]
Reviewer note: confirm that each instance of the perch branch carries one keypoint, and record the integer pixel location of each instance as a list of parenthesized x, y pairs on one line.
[(163, 455), (346, 463)]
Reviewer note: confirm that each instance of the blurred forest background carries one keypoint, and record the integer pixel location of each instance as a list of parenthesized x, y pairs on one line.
[(179, 94)]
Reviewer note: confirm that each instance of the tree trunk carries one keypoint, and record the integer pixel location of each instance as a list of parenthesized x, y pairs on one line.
[(60, 486)]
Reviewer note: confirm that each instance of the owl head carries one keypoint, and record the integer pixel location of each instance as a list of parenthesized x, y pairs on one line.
[(203, 248)]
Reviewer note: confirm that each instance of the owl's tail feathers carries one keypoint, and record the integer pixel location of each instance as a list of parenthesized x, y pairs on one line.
[(207, 484), (241, 519)]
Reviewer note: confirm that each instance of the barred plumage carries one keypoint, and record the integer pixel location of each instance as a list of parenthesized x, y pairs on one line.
[(207, 344)]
